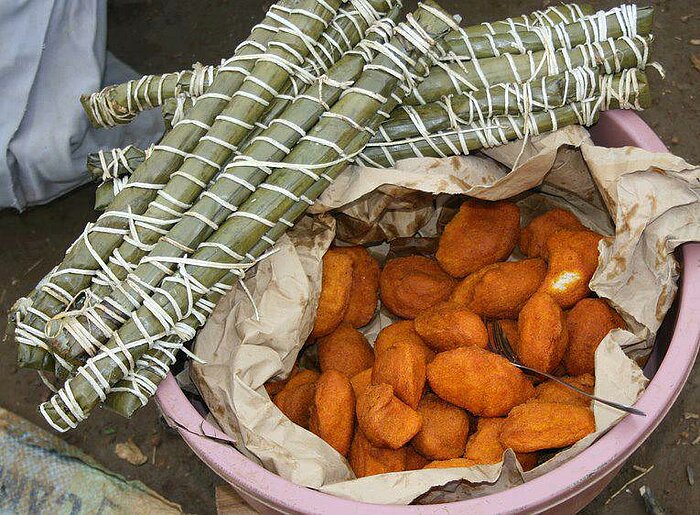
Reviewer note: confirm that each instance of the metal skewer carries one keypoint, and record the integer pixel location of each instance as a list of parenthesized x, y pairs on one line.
[(503, 347)]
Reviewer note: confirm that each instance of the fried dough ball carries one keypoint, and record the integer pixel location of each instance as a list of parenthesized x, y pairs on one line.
[(534, 237), (480, 234), (384, 419), (403, 331), (449, 464), (510, 330), (336, 284), (402, 367), (502, 289), (537, 425), (542, 331), (573, 259), (365, 286), (588, 322), (551, 391), (444, 431), (484, 446), (367, 460), (449, 325), (414, 460), (295, 399), (274, 387), (346, 350), (409, 285), (333, 410), (361, 381), (479, 381)]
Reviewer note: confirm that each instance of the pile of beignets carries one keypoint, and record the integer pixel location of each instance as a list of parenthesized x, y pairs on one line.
[(429, 393)]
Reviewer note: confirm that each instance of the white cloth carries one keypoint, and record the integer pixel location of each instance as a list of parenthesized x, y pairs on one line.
[(52, 51)]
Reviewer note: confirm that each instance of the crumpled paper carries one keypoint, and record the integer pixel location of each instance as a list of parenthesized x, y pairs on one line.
[(646, 203)]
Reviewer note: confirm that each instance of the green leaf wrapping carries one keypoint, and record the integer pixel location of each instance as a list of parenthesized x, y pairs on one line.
[(324, 148), (225, 194), (114, 163), (629, 89), (120, 103), (626, 90), (98, 240), (626, 20), (610, 56)]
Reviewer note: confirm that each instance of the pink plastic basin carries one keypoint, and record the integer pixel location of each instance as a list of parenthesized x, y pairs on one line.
[(565, 490)]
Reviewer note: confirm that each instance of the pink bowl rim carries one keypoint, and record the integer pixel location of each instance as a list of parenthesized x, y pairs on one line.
[(536, 495)]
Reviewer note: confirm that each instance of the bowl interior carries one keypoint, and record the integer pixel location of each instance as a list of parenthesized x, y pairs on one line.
[(554, 489)]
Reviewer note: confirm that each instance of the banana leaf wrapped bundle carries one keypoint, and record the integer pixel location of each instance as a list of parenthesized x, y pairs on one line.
[(119, 103), (230, 189), (94, 246), (626, 90), (609, 56), (323, 151), (113, 169), (221, 119)]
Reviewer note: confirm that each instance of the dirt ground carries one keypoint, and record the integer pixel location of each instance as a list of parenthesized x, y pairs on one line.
[(165, 35)]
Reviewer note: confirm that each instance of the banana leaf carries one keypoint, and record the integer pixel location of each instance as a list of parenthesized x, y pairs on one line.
[(610, 56), (97, 242), (625, 20), (399, 64), (466, 138), (225, 194)]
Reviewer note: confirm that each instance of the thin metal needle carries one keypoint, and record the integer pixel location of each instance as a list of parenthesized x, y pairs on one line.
[(503, 347)]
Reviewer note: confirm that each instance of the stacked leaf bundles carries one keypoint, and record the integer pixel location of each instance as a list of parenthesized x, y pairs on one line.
[(318, 85)]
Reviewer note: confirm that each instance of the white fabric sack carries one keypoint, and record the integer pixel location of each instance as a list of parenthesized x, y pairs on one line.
[(52, 52)]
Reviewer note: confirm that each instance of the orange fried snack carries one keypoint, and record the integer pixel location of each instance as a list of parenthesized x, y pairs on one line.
[(484, 446), (403, 367), (346, 350), (542, 331), (479, 381), (384, 419), (414, 461), (409, 285), (502, 289), (336, 284), (361, 381), (537, 425), (403, 331), (295, 399), (573, 258), (588, 322), (444, 431), (480, 234), (551, 391), (449, 464), (365, 286), (333, 411), (367, 460), (449, 325), (534, 237)]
